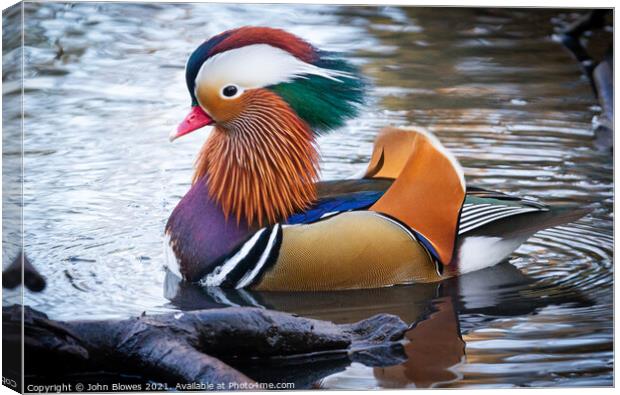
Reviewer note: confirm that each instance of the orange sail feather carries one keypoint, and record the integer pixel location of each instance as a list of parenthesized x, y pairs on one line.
[(429, 191)]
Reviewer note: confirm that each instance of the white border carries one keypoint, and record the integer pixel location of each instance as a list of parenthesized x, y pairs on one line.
[(462, 3)]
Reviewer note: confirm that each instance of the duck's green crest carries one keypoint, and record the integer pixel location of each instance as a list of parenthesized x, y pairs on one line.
[(326, 103)]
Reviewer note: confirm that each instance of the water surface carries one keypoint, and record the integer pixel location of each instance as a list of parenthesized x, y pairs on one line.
[(104, 86)]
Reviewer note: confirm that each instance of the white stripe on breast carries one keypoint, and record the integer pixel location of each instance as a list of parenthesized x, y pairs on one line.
[(249, 277), (218, 275), (170, 258)]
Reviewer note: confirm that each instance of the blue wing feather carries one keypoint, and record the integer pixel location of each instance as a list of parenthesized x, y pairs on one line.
[(337, 204)]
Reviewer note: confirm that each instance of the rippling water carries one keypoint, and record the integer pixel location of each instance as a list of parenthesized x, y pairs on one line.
[(104, 86)]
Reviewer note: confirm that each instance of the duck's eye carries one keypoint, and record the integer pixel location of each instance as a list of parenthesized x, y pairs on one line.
[(230, 91)]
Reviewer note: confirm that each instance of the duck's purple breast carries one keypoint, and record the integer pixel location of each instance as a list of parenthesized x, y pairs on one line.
[(200, 234)]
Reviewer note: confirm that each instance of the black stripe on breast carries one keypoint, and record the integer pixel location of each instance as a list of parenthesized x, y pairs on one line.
[(214, 276), (271, 259), (247, 263)]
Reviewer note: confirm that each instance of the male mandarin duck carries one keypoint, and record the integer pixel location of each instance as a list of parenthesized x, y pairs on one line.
[(257, 216)]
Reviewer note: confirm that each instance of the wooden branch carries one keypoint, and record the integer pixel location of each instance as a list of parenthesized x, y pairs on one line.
[(189, 347)]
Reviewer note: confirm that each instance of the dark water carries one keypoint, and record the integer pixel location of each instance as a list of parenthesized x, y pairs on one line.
[(104, 86)]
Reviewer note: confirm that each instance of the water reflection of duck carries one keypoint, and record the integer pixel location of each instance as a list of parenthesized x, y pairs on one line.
[(255, 216), (434, 310)]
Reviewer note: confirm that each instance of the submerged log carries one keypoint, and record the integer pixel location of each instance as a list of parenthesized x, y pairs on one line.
[(189, 347)]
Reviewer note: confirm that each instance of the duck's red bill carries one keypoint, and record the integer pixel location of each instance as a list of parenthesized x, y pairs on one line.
[(196, 119)]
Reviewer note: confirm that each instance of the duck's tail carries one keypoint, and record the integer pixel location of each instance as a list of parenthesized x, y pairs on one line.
[(493, 242), (560, 215), (525, 225)]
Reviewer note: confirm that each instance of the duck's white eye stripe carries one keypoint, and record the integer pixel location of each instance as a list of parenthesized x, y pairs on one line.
[(258, 66)]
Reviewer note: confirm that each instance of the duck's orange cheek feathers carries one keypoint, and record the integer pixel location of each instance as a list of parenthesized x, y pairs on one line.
[(221, 110)]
